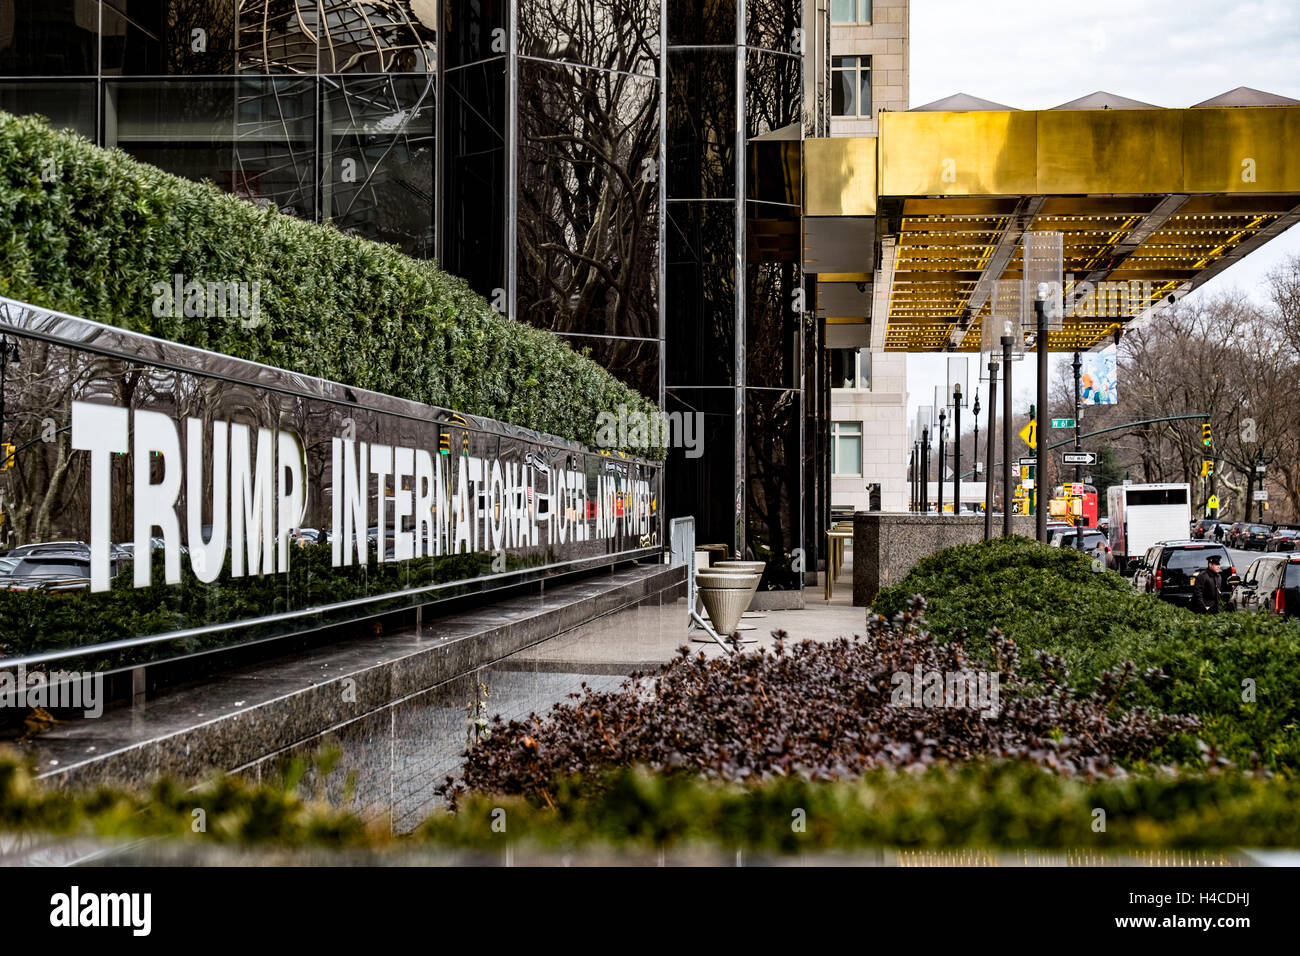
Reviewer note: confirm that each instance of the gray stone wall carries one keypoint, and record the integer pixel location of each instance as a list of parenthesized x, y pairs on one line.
[(887, 546)]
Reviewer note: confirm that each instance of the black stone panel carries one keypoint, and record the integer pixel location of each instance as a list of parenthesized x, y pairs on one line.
[(700, 312), (701, 480), (773, 527), (701, 135), (701, 22), (474, 203), (474, 30), (48, 38)]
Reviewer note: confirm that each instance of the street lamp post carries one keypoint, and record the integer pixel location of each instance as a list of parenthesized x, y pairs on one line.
[(925, 470), (956, 449), (1078, 469), (1007, 340), (943, 416), (992, 440), (1040, 343)]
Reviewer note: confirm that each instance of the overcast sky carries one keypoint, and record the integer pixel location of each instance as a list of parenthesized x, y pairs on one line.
[(1033, 54)]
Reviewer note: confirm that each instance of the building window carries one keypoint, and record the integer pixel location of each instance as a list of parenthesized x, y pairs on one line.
[(846, 449), (850, 11), (850, 368), (851, 85)]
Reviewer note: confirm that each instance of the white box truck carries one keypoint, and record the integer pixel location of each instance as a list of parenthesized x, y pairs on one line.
[(1142, 515)]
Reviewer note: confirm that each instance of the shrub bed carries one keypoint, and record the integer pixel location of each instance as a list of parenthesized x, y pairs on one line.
[(90, 232), (1050, 600), (824, 710)]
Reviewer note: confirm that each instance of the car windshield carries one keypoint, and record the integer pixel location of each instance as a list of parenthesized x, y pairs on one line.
[(1292, 574), (1259, 529), (1184, 559)]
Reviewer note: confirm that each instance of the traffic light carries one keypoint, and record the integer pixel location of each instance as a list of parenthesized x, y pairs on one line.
[(7, 451), (1207, 467), (444, 442), (1205, 435)]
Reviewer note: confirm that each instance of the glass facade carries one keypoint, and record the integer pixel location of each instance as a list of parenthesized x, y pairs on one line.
[(737, 326), (624, 173)]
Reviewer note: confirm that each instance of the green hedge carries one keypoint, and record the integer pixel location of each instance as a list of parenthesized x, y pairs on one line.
[(1050, 599), (1001, 805), (89, 231)]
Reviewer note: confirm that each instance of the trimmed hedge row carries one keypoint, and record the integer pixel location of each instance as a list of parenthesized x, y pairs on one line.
[(1002, 805), (90, 232), (1239, 673)]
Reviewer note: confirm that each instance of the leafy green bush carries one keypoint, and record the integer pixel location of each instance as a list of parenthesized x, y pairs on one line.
[(1007, 805), (1050, 599), (90, 231), (996, 805)]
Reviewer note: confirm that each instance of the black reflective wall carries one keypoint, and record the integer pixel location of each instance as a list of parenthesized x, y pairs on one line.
[(736, 334)]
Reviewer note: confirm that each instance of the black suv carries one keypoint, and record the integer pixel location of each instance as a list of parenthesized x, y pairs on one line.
[(1175, 565), (1251, 536)]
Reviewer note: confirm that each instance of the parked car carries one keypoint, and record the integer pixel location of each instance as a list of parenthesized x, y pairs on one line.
[(1271, 583), (1203, 528), (1142, 579), (1093, 541), (1175, 564), (1283, 539), (69, 571), (1253, 536), (25, 549)]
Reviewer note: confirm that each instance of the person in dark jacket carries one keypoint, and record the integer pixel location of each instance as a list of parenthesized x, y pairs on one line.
[(1205, 589)]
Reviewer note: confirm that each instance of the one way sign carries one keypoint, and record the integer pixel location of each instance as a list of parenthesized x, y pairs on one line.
[(1080, 458)]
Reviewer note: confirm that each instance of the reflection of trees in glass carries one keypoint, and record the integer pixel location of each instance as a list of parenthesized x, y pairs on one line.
[(772, 484), (773, 92), (772, 24), (588, 171), (609, 34)]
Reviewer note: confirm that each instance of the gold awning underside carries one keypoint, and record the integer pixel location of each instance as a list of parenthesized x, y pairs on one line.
[(1151, 203)]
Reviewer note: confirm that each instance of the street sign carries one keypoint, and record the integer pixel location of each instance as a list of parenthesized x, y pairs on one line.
[(1213, 503), (1028, 484), (1259, 469), (1080, 458), (1062, 422), (1076, 489), (1026, 462), (1029, 434), (1261, 494)]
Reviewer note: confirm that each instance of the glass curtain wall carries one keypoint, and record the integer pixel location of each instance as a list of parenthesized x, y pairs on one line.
[(736, 333), (323, 107), (587, 183)]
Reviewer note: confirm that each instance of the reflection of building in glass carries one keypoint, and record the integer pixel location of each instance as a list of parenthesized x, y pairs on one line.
[(624, 173)]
